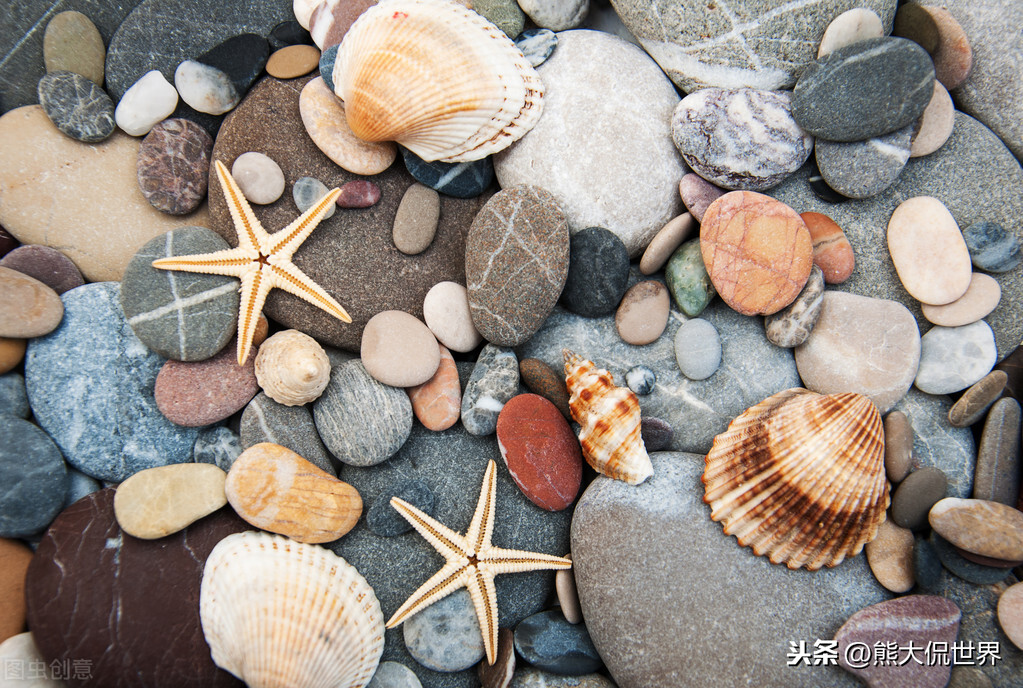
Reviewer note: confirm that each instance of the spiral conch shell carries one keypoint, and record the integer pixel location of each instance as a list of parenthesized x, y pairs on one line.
[(610, 420), (278, 614), (800, 477), (437, 78), (292, 368)]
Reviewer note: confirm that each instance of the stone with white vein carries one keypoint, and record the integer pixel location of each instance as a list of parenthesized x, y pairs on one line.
[(861, 169), (494, 381)]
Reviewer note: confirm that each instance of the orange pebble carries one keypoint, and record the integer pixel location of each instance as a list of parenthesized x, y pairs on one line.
[(832, 252)]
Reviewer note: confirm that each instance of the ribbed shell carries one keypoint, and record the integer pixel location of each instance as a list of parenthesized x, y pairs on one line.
[(278, 613), (292, 368), (437, 78), (609, 417), (800, 477)]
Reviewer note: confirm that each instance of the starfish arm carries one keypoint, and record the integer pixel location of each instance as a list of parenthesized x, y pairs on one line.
[(230, 262), (284, 275), (482, 525), (285, 242), (255, 287), (251, 234), (451, 577), (484, 598), (450, 544), (496, 561)]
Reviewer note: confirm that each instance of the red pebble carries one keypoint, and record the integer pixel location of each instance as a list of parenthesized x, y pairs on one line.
[(358, 194), (204, 392), (832, 252), (542, 454)]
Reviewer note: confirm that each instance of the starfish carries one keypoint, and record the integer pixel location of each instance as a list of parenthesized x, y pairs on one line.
[(472, 562), (261, 261)]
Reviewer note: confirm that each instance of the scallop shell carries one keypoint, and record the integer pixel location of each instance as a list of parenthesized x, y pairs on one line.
[(610, 420), (292, 368), (437, 78), (800, 477), (279, 613)]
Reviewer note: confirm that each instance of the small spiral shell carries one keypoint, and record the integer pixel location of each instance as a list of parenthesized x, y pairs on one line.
[(292, 368)]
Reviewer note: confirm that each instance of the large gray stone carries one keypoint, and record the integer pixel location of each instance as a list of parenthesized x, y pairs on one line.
[(936, 443), (264, 420)]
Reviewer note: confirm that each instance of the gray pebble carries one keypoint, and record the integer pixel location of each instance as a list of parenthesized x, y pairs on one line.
[(697, 349), (264, 420), (915, 496), (394, 674), (383, 519), (991, 247), (656, 433), (861, 169), (641, 379), (446, 635), (528, 677), (13, 397), (218, 445), (307, 191), (963, 567), (549, 642), (327, 59), (494, 381), (77, 106), (34, 478), (79, 485), (954, 358), (792, 325), (537, 45), (927, 568)]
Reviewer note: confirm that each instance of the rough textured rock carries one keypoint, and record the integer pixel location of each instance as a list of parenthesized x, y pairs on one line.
[(446, 635), (792, 325), (174, 165), (77, 106), (598, 272), (494, 381), (199, 393)]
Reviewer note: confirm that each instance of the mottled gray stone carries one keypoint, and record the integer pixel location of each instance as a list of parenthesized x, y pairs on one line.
[(549, 642), (361, 421), (505, 14), (927, 569), (13, 397), (733, 619), (558, 15), (77, 106), (953, 358), (861, 169), (598, 272), (34, 478), (536, 45), (991, 247), (217, 445), (792, 325), (963, 568), (938, 444), (697, 349), (446, 635), (394, 675), (528, 677), (383, 519), (307, 191), (101, 411), (495, 380), (740, 138), (264, 420), (997, 477)]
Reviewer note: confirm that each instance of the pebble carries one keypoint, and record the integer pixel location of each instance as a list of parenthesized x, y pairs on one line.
[(898, 446), (437, 402), (275, 489), (329, 21), (665, 242), (540, 450), (851, 26), (307, 191), (1010, 613), (832, 251), (13, 396), (890, 556), (540, 378), (18, 651), (293, 61), (923, 620), (687, 279), (494, 381), (935, 125), (323, 116), (218, 445), (501, 672), (954, 358), (641, 379), (327, 59), (792, 325), (77, 106), (550, 643), (991, 247), (241, 58), (79, 485), (504, 14), (394, 675), (819, 187), (643, 313), (73, 43), (458, 179), (864, 90), (383, 519), (7, 242), (12, 351), (559, 15), (415, 223), (740, 138), (399, 350), (915, 495), (446, 312), (938, 32), (28, 308), (976, 400), (32, 468), (757, 251), (14, 560), (953, 560), (529, 677), (48, 265), (861, 169), (927, 569), (174, 164), (161, 501), (697, 349), (289, 32), (536, 45), (259, 177), (981, 527), (598, 273), (861, 344), (657, 434), (697, 194), (358, 193), (205, 88), (446, 635), (928, 251), (197, 393), (937, 444), (148, 101), (293, 427), (516, 263), (997, 475), (980, 299)]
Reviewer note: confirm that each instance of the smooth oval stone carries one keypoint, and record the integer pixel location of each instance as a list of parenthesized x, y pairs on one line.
[(656, 433), (928, 251), (394, 675), (383, 519), (792, 325), (516, 263), (981, 297), (35, 476), (437, 402), (568, 596), (399, 350), (362, 421), (358, 193), (938, 32), (915, 495), (148, 101), (15, 557), (307, 191), (447, 314), (665, 242), (540, 450), (446, 635), (643, 313), (953, 358), (1010, 613), (536, 45), (184, 316), (927, 569), (866, 89), (687, 279), (323, 116), (890, 555), (935, 125), (861, 169), (757, 251), (557, 16), (73, 43), (494, 381), (991, 247), (952, 559), (979, 526), (997, 474), (740, 138), (218, 446), (293, 61), (77, 106), (549, 642), (12, 351), (197, 393), (264, 420), (697, 194), (13, 396), (28, 308), (275, 489), (458, 179), (504, 14), (697, 349), (598, 273), (832, 251), (976, 400), (205, 88), (415, 223), (898, 446), (641, 379), (540, 378), (174, 166), (851, 26), (161, 501), (259, 177)]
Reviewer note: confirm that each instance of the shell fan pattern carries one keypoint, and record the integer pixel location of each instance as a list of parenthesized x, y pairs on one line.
[(437, 78), (800, 477)]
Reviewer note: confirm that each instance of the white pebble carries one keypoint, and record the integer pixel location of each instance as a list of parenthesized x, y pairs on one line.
[(260, 178), (205, 88), (697, 349), (446, 312), (849, 27), (149, 101), (954, 358)]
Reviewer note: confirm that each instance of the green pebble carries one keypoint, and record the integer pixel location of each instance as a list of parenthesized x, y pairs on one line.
[(504, 13), (687, 279)]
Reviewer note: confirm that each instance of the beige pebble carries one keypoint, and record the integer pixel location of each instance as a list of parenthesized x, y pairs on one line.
[(898, 446), (259, 177), (1010, 613), (28, 308), (293, 61), (568, 596), (643, 313), (857, 24), (446, 312), (890, 556), (73, 43), (935, 125), (978, 526), (664, 243), (11, 353), (323, 115), (980, 298), (928, 251), (399, 350), (160, 501), (415, 222)]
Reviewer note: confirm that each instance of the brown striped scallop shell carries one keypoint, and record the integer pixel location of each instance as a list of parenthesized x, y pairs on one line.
[(800, 477)]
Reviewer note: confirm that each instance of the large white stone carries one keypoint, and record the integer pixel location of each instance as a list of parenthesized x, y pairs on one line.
[(150, 100)]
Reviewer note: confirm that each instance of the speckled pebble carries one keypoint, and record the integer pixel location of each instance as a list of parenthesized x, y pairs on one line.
[(327, 59), (504, 14), (687, 279), (415, 223), (915, 495), (292, 427), (643, 313), (792, 325), (536, 45), (399, 350), (954, 358), (549, 642), (861, 169), (697, 349), (259, 177), (394, 675), (598, 273), (173, 166), (446, 635), (34, 476), (976, 400), (358, 193), (494, 380), (384, 520), (540, 378), (46, 264), (13, 396), (77, 106), (641, 379), (656, 433), (219, 445), (307, 191), (981, 527), (991, 247)]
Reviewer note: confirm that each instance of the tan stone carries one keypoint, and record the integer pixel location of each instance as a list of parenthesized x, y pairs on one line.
[(323, 115), (568, 596), (398, 349), (415, 222), (935, 125), (928, 251), (437, 402), (890, 556), (643, 313), (293, 61), (73, 43), (14, 560), (28, 308), (161, 501), (898, 446), (986, 528), (857, 24), (1010, 613), (980, 298), (446, 312), (665, 242), (11, 353)]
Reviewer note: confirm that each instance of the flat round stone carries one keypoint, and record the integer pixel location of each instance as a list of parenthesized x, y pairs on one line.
[(890, 555), (73, 43), (986, 528), (935, 125), (160, 501), (259, 177), (323, 116), (174, 165), (293, 61), (697, 349), (665, 242), (415, 223), (853, 25), (446, 312), (399, 350), (981, 297), (46, 264), (77, 106), (928, 251), (28, 308), (861, 169), (446, 635), (643, 313), (1010, 613), (953, 358)]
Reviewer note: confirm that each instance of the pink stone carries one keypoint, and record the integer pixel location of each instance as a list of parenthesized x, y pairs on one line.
[(437, 402), (358, 194), (697, 193), (204, 392), (832, 252)]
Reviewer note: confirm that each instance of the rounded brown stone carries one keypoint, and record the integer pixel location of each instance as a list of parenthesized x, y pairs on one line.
[(643, 313), (28, 308), (1010, 613), (757, 250), (665, 242), (11, 353), (14, 561), (293, 61), (898, 446), (832, 252), (48, 265), (540, 378), (890, 556), (976, 400), (568, 596), (174, 165), (986, 528), (996, 476)]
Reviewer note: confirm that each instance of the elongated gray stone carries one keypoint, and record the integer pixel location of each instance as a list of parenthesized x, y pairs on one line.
[(494, 381), (34, 477), (998, 456)]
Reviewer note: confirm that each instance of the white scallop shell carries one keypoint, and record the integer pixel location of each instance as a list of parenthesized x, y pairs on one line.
[(292, 368)]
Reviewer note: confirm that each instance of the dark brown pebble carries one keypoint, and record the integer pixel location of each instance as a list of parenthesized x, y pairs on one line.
[(540, 378), (997, 474), (977, 399)]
